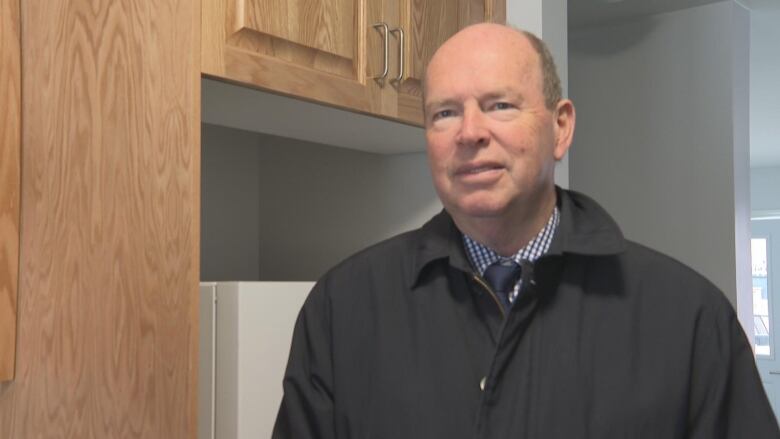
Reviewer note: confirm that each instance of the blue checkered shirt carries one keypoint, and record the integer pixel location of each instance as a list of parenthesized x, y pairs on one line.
[(482, 257)]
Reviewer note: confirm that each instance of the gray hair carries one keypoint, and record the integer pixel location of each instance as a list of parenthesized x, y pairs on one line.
[(551, 82)]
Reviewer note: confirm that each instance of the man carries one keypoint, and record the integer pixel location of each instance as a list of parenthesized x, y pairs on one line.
[(520, 311)]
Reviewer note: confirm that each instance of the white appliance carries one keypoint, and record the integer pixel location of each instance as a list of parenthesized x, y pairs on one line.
[(245, 334)]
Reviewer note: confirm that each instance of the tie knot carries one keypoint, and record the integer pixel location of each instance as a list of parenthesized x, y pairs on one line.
[(502, 276)]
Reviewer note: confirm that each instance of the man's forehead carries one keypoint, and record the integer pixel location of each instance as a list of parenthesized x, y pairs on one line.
[(482, 46), (485, 32), (478, 38)]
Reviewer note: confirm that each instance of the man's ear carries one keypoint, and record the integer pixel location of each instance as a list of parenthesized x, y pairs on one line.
[(565, 117)]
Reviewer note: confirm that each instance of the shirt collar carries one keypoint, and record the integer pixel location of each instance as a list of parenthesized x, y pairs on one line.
[(482, 256), (585, 228)]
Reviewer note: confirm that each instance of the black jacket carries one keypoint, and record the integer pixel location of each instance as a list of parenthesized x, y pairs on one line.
[(608, 339)]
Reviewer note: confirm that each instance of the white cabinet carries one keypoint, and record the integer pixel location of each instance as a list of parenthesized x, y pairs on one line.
[(245, 334)]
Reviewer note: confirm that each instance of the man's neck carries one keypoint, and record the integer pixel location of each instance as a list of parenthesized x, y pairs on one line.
[(507, 234)]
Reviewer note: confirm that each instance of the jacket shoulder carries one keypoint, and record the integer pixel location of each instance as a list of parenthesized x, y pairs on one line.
[(378, 266), (668, 278)]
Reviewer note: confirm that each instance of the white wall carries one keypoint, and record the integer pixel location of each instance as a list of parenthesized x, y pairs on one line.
[(276, 208), (657, 142), (740, 116), (765, 87), (765, 188)]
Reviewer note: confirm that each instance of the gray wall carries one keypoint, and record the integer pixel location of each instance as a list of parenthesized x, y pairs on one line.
[(275, 208), (656, 140), (230, 207), (765, 87), (765, 188)]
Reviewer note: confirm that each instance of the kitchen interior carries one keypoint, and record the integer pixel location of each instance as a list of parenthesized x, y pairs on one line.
[(308, 151), (356, 179)]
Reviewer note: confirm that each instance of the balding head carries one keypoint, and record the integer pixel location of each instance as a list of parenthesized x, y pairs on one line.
[(471, 37)]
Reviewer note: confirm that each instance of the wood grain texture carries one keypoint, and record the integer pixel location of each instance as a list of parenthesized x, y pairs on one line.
[(10, 143), (428, 23), (496, 11), (292, 53), (316, 50), (110, 222), (324, 25), (431, 22)]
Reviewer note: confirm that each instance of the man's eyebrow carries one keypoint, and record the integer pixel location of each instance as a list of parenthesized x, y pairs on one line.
[(506, 93), (501, 94), (437, 103)]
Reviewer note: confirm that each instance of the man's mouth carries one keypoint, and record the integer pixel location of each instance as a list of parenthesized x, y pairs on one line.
[(478, 168), (482, 169)]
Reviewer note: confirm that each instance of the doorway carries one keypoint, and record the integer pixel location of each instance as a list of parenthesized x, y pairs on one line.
[(765, 261)]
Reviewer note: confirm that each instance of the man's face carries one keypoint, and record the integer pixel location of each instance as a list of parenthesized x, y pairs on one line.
[(492, 142)]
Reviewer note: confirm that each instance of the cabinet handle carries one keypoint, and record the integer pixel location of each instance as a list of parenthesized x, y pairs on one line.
[(401, 49), (386, 69), (774, 372)]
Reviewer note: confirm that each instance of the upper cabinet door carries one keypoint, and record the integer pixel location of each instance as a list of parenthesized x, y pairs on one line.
[(322, 50), (426, 24)]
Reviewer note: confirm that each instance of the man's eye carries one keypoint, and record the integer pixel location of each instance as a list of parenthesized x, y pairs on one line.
[(442, 114), (502, 106)]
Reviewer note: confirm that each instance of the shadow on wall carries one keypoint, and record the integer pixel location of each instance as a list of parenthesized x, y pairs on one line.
[(625, 35)]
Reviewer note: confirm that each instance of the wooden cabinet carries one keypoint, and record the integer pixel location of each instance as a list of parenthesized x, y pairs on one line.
[(10, 167), (332, 51), (313, 49), (109, 212)]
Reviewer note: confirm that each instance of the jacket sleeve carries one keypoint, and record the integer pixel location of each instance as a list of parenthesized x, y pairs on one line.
[(306, 411), (727, 398)]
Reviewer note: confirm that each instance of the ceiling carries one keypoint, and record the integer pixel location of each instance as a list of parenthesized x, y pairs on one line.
[(591, 12)]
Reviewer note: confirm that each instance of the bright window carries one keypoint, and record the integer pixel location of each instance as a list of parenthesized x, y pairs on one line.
[(761, 328)]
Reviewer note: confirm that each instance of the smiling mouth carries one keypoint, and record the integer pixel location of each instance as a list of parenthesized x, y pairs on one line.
[(481, 169), (478, 169)]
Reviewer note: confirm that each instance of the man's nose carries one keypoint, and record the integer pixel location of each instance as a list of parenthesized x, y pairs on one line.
[(473, 130)]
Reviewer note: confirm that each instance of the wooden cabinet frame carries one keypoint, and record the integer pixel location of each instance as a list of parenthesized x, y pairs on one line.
[(10, 165), (107, 328)]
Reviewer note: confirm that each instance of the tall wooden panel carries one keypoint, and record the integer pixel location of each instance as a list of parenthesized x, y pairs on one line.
[(110, 220), (321, 50), (10, 132), (427, 24)]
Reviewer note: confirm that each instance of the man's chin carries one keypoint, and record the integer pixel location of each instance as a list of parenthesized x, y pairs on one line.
[(481, 210)]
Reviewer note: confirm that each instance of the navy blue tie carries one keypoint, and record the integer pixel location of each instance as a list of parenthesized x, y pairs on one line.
[(502, 277)]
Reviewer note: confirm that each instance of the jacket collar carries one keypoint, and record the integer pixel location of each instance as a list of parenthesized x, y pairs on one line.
[(585, 229)]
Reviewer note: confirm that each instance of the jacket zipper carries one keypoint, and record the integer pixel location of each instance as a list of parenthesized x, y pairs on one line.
[(492, 294), (482, 401)]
